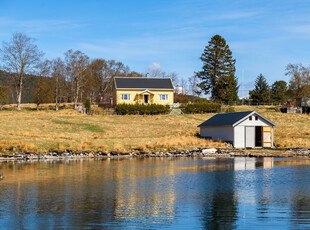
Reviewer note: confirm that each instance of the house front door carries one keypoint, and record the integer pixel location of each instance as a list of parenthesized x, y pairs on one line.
[(146, 99)]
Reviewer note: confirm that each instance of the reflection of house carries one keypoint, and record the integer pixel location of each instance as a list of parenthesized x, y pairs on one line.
[(243, 129), (143, 90), (140, 194)]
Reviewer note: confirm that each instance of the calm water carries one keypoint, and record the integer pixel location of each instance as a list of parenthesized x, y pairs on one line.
[(242, 193)]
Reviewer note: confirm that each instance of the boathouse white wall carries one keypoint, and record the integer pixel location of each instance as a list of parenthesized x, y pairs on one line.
[(238, 135), (218, 133)]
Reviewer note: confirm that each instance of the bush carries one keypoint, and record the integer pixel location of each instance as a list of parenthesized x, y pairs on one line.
[(131, 109), (230, 110), (201, 100), (87, 105), (179, 98), (202, 108)]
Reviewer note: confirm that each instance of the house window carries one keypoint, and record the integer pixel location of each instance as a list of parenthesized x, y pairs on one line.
[(250, 118), (125, 97), (163, 97), (256, 118)]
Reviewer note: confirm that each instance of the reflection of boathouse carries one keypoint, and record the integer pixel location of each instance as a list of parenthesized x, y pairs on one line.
[(244, 163), (268, 162)]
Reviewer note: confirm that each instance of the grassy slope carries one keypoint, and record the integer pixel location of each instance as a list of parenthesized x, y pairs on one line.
[(67, 129)]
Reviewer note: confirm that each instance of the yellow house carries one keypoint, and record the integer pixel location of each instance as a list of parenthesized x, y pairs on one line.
[(143, 90)]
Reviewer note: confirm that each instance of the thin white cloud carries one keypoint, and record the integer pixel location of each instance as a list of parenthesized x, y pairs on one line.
[(144, 47), (155, 66), (36, 26), (119, 49), (233, 15), (299, 29), (154, 69)]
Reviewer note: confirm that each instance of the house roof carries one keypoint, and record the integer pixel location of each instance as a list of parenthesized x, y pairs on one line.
[(143, 83), (231, 119)]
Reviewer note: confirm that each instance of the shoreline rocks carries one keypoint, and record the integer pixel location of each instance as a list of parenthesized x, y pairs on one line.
[(197, 152)]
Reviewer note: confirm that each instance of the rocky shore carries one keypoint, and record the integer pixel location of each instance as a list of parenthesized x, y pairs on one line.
[(197, 152)]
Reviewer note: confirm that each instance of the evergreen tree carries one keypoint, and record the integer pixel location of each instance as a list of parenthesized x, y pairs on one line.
[(218, 72), (227, 89), (261, 93), (279, 92)]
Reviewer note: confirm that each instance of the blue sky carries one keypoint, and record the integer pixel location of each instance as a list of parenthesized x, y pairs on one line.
[(264, 36)]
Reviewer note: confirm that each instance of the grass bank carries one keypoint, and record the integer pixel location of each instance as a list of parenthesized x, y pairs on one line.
[(41, 131)]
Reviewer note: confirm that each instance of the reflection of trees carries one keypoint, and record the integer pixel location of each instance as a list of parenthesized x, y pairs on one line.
[(220, 206), (145, 192), (300, 196), (88, 193), (281, 189), (59, 194), (300, 209)]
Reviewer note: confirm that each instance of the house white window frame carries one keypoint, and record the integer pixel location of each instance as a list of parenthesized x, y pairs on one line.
[(125, 96), (163, 97)]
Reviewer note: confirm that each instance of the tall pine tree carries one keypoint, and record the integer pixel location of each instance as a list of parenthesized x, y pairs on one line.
[(218, 72), (261, 92)]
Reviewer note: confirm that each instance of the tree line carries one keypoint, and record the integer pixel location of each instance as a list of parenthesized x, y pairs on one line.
[(73, 78), (217, 79), (279, 92)]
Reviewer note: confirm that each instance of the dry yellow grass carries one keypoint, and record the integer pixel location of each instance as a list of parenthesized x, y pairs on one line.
[(40, 131)]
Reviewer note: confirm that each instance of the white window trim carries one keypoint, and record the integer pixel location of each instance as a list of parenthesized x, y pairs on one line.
[(166, 96), (128, 96)]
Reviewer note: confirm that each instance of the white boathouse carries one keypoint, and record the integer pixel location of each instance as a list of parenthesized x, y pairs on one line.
[(242, 129)]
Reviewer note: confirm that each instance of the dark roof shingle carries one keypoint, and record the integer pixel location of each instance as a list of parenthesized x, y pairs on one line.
[(224, 119), (142, 83)]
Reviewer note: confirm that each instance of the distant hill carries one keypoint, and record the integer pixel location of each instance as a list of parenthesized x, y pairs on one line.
[(6, 79)]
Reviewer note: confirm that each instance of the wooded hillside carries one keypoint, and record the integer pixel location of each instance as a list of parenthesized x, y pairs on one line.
[(30, 85)]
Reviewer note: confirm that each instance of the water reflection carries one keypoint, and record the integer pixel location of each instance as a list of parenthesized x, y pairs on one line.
[(220, 205), (155, 193)]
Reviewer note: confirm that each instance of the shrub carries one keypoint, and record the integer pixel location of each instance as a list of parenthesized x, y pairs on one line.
[(179, 98), (201, 100), (131, 109), (87, 105), (202, 108), (229, 110)]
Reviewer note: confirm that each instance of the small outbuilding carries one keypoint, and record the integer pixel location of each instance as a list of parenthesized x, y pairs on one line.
[(242, 129)]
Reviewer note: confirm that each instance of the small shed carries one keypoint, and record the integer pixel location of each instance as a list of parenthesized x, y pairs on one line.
[(305, 105), (242, 129)]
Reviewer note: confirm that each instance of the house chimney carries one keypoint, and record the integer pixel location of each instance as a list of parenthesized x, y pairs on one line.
[(147, 75)]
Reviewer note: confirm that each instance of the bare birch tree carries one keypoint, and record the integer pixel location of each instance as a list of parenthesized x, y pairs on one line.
[(42, 92), (183, 85), (58, 70), (107, 70), (76, 64), (20, 56), (193, 86)]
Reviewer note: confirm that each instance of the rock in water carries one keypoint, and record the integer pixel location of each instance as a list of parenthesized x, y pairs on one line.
[(209, 151)]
